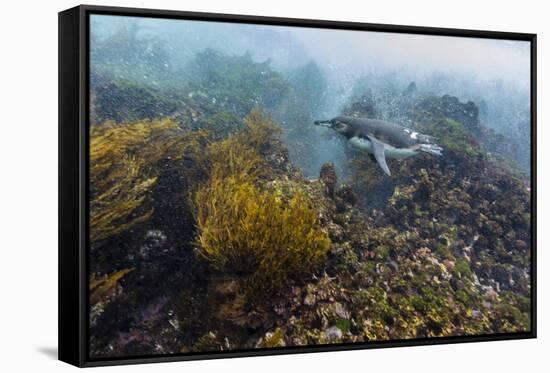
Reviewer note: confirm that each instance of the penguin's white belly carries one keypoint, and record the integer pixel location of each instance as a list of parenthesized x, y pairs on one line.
[(389, 151)]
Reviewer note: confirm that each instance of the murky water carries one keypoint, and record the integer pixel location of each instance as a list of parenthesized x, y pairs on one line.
[(223, 218)]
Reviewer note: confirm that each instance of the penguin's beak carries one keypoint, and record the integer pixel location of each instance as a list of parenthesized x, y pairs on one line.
[(324, 123)]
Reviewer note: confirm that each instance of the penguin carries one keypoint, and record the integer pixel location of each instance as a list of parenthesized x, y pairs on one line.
[(382, 139)]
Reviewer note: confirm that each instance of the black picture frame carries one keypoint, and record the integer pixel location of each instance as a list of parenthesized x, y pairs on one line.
[(73, 180)]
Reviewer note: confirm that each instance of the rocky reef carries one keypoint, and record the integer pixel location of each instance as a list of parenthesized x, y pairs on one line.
[(207, 234), (218, 242)]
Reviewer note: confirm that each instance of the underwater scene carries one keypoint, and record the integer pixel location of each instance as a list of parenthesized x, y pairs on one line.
[(256, 186)]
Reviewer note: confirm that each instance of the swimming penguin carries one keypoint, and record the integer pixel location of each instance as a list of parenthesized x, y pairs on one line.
[(382, 139)]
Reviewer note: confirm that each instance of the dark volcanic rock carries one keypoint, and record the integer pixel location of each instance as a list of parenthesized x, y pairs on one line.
[(329, 178)]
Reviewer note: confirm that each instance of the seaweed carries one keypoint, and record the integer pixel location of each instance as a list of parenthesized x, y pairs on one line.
[(124, 166), (234, 83), (206, 237), (453, 137), (250, 232)]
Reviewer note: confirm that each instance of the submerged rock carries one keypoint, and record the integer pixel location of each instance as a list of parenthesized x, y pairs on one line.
[(329, 178), (440, 249), (346, 194)]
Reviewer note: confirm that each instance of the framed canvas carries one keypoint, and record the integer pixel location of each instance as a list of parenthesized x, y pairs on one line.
[(237, 185)]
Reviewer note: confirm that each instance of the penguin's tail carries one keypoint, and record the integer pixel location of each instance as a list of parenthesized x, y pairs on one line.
[(433, 149)]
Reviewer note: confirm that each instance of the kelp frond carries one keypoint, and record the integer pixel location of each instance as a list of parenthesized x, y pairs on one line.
[(103, 287), (124, 166)]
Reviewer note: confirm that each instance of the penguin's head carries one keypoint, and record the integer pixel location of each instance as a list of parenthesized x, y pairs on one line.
[(339, 124)]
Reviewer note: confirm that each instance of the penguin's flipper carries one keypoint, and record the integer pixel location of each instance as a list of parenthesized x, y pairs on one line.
[(378, 150)]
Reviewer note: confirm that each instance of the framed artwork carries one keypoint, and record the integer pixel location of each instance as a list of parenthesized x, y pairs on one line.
[(238, 185)]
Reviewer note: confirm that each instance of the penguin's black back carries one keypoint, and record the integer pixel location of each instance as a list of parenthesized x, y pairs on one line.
[(391, 133)]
